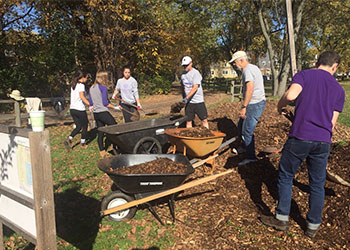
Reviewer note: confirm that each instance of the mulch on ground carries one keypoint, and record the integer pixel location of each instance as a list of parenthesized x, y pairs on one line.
[(224, 214)]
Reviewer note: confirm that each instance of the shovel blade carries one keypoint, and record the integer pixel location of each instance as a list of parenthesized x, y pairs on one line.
[(176, 107)]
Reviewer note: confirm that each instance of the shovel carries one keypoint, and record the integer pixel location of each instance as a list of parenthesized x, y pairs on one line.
[(176, 107), (135, 116), (135, 106)]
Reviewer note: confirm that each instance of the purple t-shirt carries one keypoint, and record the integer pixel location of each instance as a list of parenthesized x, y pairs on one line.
[(320, 96)]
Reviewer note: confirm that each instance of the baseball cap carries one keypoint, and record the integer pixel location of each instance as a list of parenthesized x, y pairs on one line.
[(237, 55), (186, 60)]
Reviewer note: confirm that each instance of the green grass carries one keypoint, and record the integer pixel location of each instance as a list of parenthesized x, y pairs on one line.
[(79, 187), (344, 117)]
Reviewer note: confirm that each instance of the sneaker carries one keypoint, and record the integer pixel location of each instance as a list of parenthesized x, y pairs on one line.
[(68, 144), (83, 145), (275, 223), (311, 233), (239, 150), (247, 161)]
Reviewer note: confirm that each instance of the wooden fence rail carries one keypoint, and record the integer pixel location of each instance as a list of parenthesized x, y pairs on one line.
[(232, 86), (17, 107)]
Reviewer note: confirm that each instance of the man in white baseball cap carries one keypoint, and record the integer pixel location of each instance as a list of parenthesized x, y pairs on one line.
[(238, 55), (191, 81), (252, 106)]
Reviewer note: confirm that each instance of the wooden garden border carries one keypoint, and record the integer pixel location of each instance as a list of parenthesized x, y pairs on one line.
[(43, 201)]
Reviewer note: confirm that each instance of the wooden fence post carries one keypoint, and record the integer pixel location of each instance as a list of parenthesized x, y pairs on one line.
[(43, 189), (18, 114), (232, 90)]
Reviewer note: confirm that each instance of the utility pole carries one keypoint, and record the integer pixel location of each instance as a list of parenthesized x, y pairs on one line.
[(291, 36)]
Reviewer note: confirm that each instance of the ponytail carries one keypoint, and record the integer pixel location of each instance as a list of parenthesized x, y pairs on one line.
[(76, 77)]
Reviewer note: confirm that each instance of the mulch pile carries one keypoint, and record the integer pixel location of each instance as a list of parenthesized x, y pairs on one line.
[(158, 166), (176, 107), (198, 132), (224, 214)]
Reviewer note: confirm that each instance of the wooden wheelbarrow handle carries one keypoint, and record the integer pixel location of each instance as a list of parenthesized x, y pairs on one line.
[(164, 193)]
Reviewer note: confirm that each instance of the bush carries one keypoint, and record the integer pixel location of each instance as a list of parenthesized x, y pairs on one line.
[(159, 84)]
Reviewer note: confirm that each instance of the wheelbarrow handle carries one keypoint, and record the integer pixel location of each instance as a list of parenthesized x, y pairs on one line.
[(228, 142), (164, 193)]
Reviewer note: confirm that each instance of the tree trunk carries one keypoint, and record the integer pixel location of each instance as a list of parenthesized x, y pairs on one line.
[(270, 50)]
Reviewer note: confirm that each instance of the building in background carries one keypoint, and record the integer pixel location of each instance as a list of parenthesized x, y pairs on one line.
[(222, 70)]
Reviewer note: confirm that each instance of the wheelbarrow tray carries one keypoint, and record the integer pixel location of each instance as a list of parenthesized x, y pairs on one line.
[(126, 135), (144, 183), (195, 146)]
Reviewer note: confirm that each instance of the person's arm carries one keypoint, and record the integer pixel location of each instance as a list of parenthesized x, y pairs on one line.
[(136, 94), (83, 98), (90, 100), (290, 95), (248, 95), (335, 118), (193, 91), (115, 93), (104, 93), (116, 90)]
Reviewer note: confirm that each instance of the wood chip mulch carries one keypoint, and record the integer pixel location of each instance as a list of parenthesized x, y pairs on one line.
[(223, 214)]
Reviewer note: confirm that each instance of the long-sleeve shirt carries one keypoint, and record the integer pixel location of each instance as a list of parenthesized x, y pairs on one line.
[(128, 89), (98, 98)]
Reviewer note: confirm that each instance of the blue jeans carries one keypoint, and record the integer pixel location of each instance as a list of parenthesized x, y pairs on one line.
[(247, 126), (293, 154)]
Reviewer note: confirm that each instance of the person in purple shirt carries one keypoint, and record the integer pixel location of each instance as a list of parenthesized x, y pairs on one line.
[(98, 98), (319, 99)]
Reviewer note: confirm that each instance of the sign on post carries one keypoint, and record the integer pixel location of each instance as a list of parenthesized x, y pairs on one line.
[(26, 189)]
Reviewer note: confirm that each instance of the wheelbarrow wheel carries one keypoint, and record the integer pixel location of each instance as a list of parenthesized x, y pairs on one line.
[(115, 199), (147, 145)]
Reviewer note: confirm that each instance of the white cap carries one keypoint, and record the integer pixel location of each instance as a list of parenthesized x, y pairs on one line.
[(186, 60), (237, 55)]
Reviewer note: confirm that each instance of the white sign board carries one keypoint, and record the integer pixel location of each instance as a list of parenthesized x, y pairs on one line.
[(16, 175)]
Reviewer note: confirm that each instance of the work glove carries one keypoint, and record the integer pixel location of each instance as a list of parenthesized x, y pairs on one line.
[(117, 107), (139, 106), (185, 100), (91, 109)]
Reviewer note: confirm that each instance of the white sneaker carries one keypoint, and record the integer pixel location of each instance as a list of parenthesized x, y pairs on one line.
[(239, 150), (247, 161)]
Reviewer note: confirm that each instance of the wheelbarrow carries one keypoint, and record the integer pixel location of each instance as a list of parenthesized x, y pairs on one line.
[(142, 137), (198, 147), (136, 189)]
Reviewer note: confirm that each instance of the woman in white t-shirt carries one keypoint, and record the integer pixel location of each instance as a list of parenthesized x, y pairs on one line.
[(77, 109)]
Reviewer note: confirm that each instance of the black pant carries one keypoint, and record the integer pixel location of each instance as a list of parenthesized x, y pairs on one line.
[(81, 123), (102, 119), (127, 116)]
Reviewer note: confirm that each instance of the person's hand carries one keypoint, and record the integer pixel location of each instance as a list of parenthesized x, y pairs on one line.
[(117, 107), (185, 100), (139, 106), (288, 114), (91, 109), (114, 97), (242, 113)]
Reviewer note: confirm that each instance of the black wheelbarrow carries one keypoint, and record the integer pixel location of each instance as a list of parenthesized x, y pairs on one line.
[(142, 137), (138, 186)]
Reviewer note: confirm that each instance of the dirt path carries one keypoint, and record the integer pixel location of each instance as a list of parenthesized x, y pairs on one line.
[(159, 104)]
